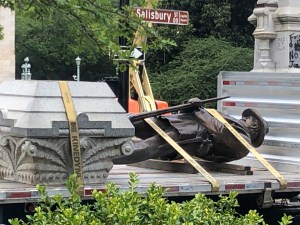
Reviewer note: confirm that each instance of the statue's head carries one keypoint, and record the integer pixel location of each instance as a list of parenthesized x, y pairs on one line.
[(256, 125)]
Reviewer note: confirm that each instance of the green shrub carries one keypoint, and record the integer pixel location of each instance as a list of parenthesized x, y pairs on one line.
[(114, 207), (193, 73)]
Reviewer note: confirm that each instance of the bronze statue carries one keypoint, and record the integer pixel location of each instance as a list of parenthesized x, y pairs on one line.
[(198, 133)]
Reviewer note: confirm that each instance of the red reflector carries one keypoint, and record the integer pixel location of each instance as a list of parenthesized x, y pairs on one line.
[(18, 195), (293, 184), (227, 82), (234, 186), (229, 104)]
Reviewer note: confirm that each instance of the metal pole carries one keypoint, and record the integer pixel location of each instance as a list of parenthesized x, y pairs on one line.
[(123, 75), (1, 214), (78, 61), (78, 72)]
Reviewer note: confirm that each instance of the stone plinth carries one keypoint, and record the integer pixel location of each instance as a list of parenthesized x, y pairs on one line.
[(277, 36), (264, 34), (7, 45), (34, 131), (286, 46)]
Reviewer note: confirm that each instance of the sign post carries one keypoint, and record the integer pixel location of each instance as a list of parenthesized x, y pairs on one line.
[(124, 74), (162, 16)]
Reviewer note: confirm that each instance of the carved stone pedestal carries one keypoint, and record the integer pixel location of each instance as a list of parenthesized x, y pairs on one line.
[(34, 132)]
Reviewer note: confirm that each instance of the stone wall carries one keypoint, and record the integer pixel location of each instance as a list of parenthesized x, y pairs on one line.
[(7, 45)]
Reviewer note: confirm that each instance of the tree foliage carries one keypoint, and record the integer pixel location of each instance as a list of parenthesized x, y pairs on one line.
[(54, 32), (52, 44), (226, 20), (102, 22), (7, 3), (218, 38), (194, 71)]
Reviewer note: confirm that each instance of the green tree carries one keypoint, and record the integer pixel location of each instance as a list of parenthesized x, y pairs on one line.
[(52, 45), (196, 68), (102, 22), (7, 3), (52, 33), (225, 20)]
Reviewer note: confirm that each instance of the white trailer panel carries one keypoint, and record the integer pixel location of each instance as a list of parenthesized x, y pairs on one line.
[(277, 97)]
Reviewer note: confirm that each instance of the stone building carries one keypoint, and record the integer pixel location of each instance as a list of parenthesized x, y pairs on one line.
[(7, 45)]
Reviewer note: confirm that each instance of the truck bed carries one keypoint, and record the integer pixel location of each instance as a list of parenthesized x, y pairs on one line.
[(177, 184)]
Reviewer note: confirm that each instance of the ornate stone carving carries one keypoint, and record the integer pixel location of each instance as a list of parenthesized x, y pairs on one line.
[(34, 161), (264, 33)]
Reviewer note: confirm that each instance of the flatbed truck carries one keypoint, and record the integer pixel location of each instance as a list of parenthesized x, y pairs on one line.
[(274, 95), (260, 188)]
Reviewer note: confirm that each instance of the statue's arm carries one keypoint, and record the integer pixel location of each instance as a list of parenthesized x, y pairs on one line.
[(218, 130), (213, 125)]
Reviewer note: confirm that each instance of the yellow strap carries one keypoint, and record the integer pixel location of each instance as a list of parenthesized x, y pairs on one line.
[(73, 127), (216, 114), (215, 184)]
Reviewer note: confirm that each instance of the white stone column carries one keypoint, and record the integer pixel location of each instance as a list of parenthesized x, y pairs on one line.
[(7, 45), (277, 36), (264, 34), (286, 46)]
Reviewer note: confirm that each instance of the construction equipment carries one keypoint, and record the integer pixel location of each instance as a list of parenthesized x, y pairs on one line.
[(171, 109), (139, 96)]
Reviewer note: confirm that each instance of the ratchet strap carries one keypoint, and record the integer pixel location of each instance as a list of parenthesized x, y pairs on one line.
[(282, 181), (73, 128), (214, 183)]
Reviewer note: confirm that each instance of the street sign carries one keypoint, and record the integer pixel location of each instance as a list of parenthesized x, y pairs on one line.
[(163, 16), (137, 54)]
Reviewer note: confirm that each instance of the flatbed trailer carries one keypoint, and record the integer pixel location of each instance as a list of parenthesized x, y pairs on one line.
[(260, 187), (183, 184), (274, 95), (176, 184)]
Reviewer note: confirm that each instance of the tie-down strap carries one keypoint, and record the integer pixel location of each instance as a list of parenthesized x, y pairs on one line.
[(217, 115), (214, 183), (73, 128)]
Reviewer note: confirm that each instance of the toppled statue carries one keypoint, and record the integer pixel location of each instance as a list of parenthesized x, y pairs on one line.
[(199, 134)]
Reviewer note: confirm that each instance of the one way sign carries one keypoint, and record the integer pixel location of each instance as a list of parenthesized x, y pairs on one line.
[(137, 53)]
